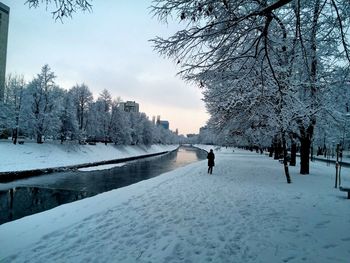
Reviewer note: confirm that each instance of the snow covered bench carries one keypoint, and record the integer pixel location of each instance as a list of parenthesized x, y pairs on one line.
[(345, 189)]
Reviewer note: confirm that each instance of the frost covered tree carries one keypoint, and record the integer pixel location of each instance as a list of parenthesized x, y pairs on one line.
[(82, 99), (241, 105), (136, 127), (40, 109), (146, 130), (3, 117), (322, 43), (14, 96), (92, 129), (207, 135), (43, 97), (212, 44), (104, 104), (279, 36), (120, 131), (333, 122), (68, 120)]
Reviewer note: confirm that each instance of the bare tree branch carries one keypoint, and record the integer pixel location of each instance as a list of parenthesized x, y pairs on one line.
[(62, 8)]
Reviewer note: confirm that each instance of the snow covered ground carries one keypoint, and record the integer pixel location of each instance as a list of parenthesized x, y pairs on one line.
[(101, 167), (244, 212), (31, 155)]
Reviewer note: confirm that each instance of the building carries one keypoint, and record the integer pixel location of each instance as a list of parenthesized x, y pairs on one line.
[(129, 106), (163, 123), (4, 24)]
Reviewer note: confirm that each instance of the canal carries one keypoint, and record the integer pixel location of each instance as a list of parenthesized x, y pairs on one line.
[(33, 195)]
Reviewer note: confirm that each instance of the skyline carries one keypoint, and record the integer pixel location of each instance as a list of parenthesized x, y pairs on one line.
[(107, 48)]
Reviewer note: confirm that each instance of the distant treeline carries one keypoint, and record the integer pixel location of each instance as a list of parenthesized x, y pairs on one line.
[(42, 110)]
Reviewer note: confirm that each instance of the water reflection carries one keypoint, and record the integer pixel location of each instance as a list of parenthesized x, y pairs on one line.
[(22, 201), (33, 195)]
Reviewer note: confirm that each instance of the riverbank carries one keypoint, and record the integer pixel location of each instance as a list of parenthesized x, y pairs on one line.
[(244, 212), (21, 160)]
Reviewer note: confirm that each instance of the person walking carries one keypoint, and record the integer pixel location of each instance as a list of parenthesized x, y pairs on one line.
[(210, 157)]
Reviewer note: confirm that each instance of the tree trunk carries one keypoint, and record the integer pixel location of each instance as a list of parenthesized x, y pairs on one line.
[(306, 134), (271, 151), (285, 159), (62, 137), (305, 143), (293, 154), (277, 149), (39, 138), (14, 135), (16, 130)]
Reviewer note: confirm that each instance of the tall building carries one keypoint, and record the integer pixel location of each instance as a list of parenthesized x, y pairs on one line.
[(4, 25), (129, 106)]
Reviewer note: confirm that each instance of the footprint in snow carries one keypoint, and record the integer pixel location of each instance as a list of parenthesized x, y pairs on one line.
[(288, 259), (322, 224), (329, 246)]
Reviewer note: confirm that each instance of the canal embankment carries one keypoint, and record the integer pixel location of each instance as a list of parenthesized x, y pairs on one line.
[(31, 159), (21, 198)]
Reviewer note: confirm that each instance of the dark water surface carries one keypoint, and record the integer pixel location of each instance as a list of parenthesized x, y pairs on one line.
[(29, 196)]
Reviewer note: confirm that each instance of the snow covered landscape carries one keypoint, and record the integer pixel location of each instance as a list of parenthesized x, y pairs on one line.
[(31, 155), (244, 212), (265, 84)]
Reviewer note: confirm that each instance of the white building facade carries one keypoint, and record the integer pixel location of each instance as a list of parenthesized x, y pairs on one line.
[(129, 106)]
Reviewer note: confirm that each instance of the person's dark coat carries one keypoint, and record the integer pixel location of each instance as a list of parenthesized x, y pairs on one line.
[(211, 158)]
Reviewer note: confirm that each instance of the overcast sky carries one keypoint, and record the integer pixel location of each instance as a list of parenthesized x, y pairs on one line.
[(109, 49)]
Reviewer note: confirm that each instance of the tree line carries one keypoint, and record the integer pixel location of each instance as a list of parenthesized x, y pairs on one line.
[(272, 72), (42, 110)]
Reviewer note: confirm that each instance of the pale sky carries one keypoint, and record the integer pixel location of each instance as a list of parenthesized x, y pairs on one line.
[(109, 49)]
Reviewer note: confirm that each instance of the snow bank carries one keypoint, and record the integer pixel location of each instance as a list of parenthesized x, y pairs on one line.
[(218, 149), (244, 212), (31, 155), (101, 167)]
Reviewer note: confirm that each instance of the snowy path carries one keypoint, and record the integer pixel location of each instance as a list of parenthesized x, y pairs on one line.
[(244, 212)]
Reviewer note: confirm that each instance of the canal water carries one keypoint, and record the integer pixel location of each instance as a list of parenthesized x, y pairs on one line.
[(33, 195)]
